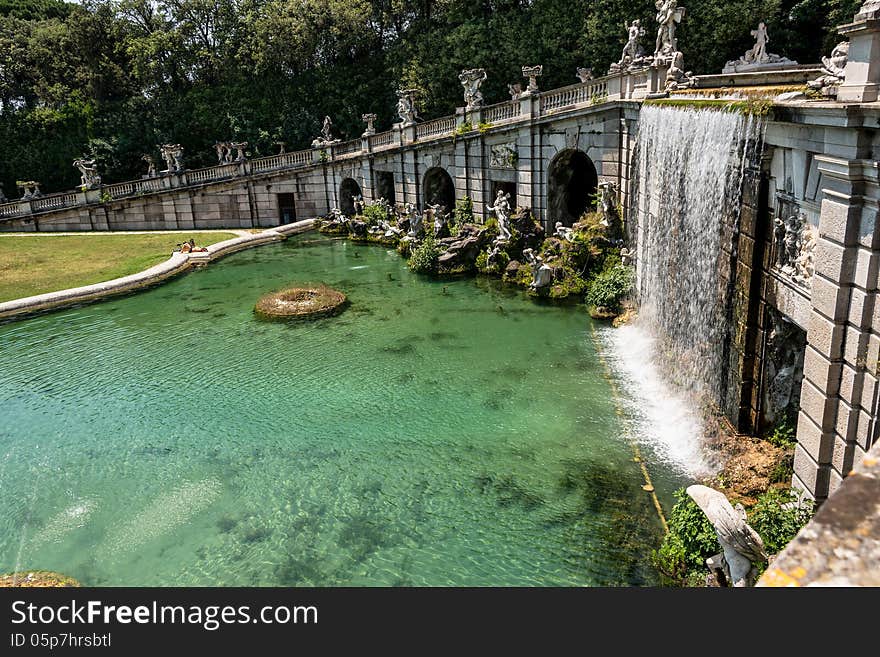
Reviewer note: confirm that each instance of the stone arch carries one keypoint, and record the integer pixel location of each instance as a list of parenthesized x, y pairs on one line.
[(573, 181), (438, 188), (347, 189)]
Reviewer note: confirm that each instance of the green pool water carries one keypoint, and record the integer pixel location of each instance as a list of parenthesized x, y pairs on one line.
[(436, 433)]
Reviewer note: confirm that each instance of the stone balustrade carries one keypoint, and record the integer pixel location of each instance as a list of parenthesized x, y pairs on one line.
[(438, 127), (621, 86)]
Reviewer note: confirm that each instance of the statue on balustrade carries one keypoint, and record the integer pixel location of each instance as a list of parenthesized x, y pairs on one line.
[(584, 74), (369, 119), (173, 156), (30, 189), (3, 198), (669, 15), (833, 68), (633, 55), (532, 73), (406, 106), (239, 147), (89, 178), (757, 58), (471, 79), (676, 76), (326, 138), (224, 152), (151, 166)]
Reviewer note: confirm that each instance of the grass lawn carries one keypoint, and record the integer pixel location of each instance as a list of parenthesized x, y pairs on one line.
[(34, 264)]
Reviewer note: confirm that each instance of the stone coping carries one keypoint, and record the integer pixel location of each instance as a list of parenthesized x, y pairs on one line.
[(176, 264), (840, 546)]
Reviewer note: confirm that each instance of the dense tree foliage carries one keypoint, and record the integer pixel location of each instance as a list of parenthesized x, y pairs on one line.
[(114, 78)]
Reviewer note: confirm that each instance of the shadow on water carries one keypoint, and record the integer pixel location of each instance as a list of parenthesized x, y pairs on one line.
[(614, 520)]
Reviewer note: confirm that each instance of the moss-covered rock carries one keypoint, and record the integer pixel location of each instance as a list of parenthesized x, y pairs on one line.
[(37, 579)]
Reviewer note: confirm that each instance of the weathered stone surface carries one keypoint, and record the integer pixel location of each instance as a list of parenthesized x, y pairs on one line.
[(813, 440), (841, 545)]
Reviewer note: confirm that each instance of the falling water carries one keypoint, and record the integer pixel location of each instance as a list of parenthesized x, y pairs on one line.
[(684, 220), (690, 169)]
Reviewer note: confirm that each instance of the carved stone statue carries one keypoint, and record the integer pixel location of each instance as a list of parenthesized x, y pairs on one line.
[(626, 257), (501, 208), (326, 138), (369, 119), (515, 91), (3, 198), (224, 152), (532, 73), (30, 189), (563, 232), (357, 202), (415, 221), (833, 68), (608, 203), (676, 76), (239, 147), (669, 15), (741, 546), (542, 274), (804, 266), (406, 106), (151, 166), (792, 243), (779, 240), (502, 156), (584, 74), (795, 242), (89, 177), (757, 58), (471, 79), (868, 8), (633, 54), (440, 220), (281, 146), (173, 156), (633, 48)]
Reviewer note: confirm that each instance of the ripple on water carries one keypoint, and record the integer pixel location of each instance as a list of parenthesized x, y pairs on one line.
[(419, 440)]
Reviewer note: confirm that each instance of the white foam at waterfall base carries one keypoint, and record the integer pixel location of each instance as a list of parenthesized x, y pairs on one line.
[(663, 419)]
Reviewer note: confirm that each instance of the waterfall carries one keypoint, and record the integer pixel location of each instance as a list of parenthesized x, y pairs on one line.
[(688, 179), (684, 222)]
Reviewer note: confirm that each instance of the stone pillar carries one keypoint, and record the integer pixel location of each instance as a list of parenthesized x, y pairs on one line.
[(862, 72), (408, 133), (824, 451)]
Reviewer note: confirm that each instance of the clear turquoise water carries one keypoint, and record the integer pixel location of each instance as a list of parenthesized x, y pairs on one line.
[(436, 433)]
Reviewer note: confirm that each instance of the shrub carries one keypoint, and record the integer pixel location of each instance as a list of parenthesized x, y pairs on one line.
[(783, 434), (502, 259), (424, 256), (778, 517), (689, 525), (464, 211), (610, 287), (375, 213)]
